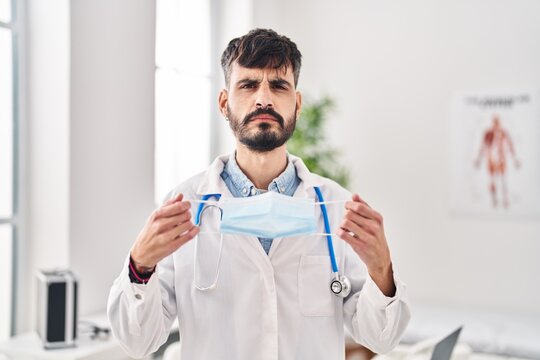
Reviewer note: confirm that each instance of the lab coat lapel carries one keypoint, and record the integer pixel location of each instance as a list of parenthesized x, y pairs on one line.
[(212, 183)]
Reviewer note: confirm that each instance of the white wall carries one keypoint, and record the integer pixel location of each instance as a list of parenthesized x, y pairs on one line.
[(91, 141), (112, 138), (392, 67)]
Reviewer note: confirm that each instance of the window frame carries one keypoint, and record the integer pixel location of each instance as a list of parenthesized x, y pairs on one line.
[(14, 27)]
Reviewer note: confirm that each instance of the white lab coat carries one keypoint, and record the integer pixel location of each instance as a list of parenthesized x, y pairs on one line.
[(275, 306)]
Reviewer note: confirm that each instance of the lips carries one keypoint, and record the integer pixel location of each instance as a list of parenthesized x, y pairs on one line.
[(264, 115), (264, 118)]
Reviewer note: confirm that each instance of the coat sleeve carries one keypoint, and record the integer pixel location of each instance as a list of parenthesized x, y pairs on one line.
[(141, 315), (373, 319)]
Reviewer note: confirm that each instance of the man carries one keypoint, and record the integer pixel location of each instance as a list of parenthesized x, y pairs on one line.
[(258, 297), (496, 144)]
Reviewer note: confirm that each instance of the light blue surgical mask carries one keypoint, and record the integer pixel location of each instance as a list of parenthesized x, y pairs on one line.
[(270, 215)]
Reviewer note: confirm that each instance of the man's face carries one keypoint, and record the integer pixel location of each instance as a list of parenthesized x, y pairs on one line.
[(262, 106)]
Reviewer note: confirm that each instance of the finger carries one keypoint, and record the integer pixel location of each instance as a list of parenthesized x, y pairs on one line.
[(172, 209), (165, 224), (347, 236), (178, 197), (350, 238), (174, 199), (184, 238), (351, 227), (353, 230), (369, 225), (357, 198), (357, 232), (364, 249), (179, 230), (364, 210)]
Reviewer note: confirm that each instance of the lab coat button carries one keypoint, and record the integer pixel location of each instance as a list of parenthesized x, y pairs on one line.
[(138, 296)]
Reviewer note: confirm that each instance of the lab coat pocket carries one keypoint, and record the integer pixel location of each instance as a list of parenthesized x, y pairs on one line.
[(314, 276)]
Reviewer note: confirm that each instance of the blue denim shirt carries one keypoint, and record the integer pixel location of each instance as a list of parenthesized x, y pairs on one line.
[(240, 186)]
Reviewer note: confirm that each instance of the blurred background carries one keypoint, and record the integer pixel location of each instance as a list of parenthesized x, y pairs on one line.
[(106, 105)]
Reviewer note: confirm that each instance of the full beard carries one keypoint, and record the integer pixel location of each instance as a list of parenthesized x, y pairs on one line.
[(264, 137)]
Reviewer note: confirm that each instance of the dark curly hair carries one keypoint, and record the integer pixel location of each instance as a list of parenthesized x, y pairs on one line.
[(260, 49)]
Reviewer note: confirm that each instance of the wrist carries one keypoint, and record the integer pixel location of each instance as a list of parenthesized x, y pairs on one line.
[(380, 270), (140, 266), (137, 276), (141, 269), (383, 277)]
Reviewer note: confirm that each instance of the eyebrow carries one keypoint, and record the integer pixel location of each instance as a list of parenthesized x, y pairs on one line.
[(248, 81), (253, 81), (280, 82)]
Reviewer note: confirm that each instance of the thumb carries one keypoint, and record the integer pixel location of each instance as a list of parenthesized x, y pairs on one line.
[(357, 198), (177, 198)]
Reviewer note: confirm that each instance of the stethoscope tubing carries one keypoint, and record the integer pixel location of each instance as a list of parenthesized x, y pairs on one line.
[(321, 202), (327, 230), (203, 201)]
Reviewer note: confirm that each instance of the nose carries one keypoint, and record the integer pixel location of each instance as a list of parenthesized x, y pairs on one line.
[(264, 98)]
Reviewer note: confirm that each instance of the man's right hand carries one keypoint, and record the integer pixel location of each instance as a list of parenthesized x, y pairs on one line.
[(168, 228)]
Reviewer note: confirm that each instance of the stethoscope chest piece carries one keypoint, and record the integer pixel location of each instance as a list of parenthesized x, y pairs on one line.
[(340, 286)]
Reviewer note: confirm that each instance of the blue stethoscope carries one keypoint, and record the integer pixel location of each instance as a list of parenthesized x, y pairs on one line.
[(340, 284)]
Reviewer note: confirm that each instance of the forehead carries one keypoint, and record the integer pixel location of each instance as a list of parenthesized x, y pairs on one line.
[(239, 73)]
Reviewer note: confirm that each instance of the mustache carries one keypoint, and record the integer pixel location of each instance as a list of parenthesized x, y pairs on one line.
[(268, 111)]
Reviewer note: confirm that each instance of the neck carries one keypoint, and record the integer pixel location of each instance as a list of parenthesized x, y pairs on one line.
[(261, 168)]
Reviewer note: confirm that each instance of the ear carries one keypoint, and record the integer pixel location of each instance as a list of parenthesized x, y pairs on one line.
[(223, 100), (298, 103)]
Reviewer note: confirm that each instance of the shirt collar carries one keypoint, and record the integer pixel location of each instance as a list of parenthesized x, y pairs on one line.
[(212, 183), (283, 184)]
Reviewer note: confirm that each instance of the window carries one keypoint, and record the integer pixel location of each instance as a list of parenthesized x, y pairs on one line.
[(183, 85), (8, 164)]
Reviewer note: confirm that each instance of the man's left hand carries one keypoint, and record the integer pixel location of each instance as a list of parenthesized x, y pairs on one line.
[(363, 229)]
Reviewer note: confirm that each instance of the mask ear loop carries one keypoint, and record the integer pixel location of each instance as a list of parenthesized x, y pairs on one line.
[(340, 285), (195, 281)]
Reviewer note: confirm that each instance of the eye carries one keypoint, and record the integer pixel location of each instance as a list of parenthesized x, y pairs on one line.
[(280, 85), (248, 86)]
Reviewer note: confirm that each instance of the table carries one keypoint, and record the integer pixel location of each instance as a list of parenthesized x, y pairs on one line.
[(28, 346)]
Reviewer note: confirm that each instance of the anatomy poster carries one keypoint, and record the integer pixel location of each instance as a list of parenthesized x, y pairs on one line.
[(495, 153)]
